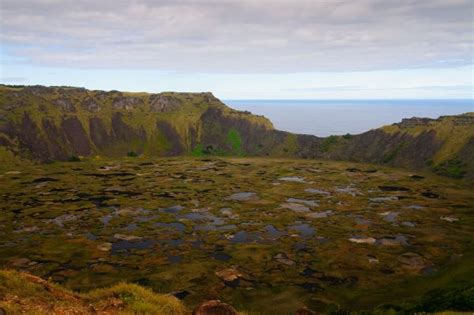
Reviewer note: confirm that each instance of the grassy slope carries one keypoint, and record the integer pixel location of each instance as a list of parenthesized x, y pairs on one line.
[(453, 135), (49, 103), (184, 116), (25, 293)]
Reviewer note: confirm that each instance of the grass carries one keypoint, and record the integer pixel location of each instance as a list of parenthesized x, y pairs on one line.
[(24, 293)]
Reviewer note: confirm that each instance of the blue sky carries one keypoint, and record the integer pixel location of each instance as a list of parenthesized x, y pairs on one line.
[(244, 49)]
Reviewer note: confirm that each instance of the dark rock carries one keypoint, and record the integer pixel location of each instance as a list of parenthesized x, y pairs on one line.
[(181, 294), (430, 194), (353, 170), (311, 287), (393, 188), (417, 177)]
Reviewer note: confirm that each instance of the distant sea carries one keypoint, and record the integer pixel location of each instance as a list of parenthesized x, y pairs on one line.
[(338, 117)]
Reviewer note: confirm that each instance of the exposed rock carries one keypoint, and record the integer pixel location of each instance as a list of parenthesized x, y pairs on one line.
[(129, 211), (243, 196), (389, 216), (317, 191), (163, 103), (20, 262), (105, 247), (319, 215), (397, 240), (295, 207), (348, 190), (408, 224), (229, 274), (363, 240), (449, 219), (282, 258), (130, 238), (310, 203), (172, 209), (229, 213), (214, 307), (64, 218), (372, 259), (293, 179), (45, 139), (412, 262), (383, 199)]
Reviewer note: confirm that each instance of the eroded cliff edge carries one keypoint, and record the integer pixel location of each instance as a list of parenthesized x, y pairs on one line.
[(45, 124)]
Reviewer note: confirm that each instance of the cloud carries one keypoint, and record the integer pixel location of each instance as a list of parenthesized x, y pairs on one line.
[(363, 88), (246, 36)]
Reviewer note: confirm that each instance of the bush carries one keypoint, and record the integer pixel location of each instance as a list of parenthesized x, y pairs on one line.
[(453, 168)]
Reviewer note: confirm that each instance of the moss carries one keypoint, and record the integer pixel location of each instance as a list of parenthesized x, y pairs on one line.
[(235, 142), (198, 150), (74, 261)]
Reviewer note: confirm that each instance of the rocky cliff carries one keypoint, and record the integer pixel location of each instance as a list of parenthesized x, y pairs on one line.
[(59, 123)]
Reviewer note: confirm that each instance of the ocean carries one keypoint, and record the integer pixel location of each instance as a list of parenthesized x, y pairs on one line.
[(339, 117)]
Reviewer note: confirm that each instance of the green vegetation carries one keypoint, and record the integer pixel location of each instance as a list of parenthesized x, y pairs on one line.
[(24, 293), (55, 122), (328, 143), (452, 168), (456, 297), (198, 150), (235, 142), (132, 154), (74, 158), (169, 225)]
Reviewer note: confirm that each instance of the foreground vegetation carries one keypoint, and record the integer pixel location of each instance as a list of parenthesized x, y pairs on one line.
[(264, 235), (25, 293)]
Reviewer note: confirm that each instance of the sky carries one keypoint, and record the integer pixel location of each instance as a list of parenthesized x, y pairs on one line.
[(247, 49)]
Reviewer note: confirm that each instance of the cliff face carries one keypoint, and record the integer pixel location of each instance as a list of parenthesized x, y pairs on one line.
[(56, 123), (444, 145), (48, 124)]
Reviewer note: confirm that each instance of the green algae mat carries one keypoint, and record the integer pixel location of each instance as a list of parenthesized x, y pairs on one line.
[(265, 235)]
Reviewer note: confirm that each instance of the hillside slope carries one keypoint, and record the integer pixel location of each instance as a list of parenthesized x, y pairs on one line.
[(22, 293), (59, 123), (445, 145)]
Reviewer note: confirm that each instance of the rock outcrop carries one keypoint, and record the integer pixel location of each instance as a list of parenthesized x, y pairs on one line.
[(59, 123)]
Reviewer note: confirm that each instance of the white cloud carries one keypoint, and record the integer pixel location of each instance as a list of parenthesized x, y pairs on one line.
[(240, 36)]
